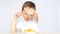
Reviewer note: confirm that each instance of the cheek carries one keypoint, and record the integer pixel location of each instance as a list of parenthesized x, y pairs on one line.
[(28, 16)]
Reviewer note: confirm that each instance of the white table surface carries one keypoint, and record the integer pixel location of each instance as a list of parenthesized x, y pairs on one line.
[(31, 33)]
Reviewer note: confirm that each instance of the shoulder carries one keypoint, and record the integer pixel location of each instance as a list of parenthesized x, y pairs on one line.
[(19, 25)]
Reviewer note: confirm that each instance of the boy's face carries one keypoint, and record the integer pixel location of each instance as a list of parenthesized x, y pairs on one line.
[(28, 13)]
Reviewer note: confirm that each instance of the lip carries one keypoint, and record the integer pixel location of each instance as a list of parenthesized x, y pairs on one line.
[(27, 18)]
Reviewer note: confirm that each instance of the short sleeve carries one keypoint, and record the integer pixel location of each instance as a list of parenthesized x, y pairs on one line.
[(19, 26), (38, 24), (19, 23)]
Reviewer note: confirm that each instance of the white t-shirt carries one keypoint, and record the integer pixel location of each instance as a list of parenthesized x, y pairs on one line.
[(23, 25)]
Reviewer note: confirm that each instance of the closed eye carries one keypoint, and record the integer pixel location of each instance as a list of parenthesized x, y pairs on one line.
[(25, 13)]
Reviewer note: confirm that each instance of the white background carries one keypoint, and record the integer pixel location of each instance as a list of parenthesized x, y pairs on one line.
[(48, 12)]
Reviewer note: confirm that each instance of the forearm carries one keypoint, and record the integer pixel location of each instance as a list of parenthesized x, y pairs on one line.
[(13, 26)]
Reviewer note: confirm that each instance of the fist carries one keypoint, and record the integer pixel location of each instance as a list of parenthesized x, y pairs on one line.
[(18, 14)]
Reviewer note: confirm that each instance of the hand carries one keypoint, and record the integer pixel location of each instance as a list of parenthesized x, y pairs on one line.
[(18, 14)]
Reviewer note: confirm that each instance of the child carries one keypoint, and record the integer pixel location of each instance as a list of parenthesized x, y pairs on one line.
[(26, 20)]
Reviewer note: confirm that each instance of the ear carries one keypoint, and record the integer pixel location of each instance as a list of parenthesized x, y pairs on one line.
[(35, 16)]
